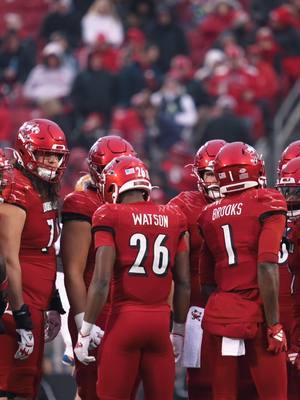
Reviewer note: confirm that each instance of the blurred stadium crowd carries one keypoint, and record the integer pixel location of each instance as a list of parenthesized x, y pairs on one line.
[(165, 75)]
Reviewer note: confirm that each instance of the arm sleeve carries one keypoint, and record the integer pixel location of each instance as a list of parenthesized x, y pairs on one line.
[(270, 238), (103, 227)]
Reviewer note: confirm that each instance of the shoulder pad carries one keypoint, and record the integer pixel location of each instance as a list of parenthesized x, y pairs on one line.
[(104, 215), (272, 198), (20, 187), (82, 202)]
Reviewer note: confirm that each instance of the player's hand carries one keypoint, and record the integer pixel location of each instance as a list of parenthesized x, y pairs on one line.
[(96, 336), (276, 339), (24, 332), (26, 344), (82, 349), (52, 325), (177, 339)]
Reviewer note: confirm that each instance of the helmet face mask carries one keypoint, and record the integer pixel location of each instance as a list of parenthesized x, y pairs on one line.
[(208, 183), (104, 151), (39, 141), (238, 166), (204, 163), (44, 170), (124, 174)]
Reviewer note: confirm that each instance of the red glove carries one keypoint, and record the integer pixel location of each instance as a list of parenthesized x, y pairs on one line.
[(276, 339)]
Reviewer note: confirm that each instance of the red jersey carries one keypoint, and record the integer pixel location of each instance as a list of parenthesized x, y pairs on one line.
[(41, 230), (285, 278), (293, 244), (147, 237), (231, 228), (80, 206), (192, 204)]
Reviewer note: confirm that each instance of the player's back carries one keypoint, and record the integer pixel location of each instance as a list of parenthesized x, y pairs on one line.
[(231, 227), (146, 238)]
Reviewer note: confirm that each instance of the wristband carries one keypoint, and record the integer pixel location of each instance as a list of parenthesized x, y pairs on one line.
[(22, 318), (86, 328)]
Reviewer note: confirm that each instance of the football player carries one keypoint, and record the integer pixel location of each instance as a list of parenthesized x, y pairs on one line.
[(140, 247), (242, 234), (191, 204), (77, 251), (289, 185), (28, 229)]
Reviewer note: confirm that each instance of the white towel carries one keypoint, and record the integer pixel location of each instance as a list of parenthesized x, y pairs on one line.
[(233, 347), (193, 338)]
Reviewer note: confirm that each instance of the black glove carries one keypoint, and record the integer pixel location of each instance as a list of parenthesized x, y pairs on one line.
[(56, 304)]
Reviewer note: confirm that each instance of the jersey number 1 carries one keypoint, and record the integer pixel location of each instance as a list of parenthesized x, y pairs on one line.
[(160, 254), (227, 233)]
